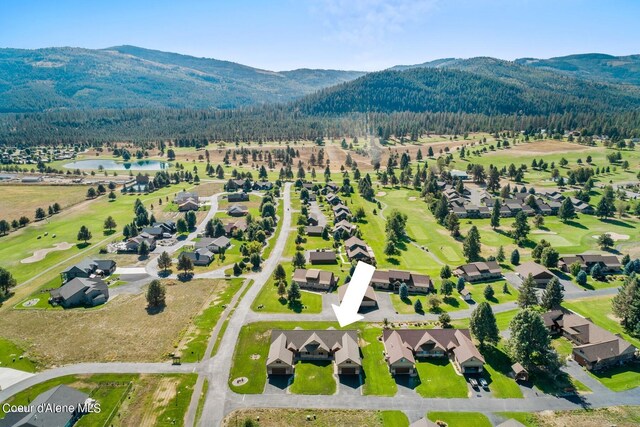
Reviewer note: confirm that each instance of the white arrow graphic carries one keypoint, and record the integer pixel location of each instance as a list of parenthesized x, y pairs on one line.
[(347, 311)]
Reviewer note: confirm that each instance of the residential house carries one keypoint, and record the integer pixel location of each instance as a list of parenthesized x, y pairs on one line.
[(404, 346), (314, 279), (582, 207), (610, 264), (466, 295), (292, 346), (88, 268), (234, 226), (358, 250), (392, 279), (168, 226), (41, 411), (262, 185), (322, 257), (155, 232), (237, 210), (479, 271), (333, 200), (133, 244), (213, 244), (344, 226), (594, 348), (81, 292), (238, 197), (314, 230), (237, 184), (519, 373), (200, 256), (341, 212), (189, 205), (541, 275), (183, 196), (369, 301), (312, 219)]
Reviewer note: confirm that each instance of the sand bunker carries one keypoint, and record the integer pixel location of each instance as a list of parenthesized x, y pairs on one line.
[(616, 236), (412, 199), (543, 232), (41, 253), (381, 193)]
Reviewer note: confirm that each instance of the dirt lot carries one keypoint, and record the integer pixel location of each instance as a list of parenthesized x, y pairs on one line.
[(18, 200), (550, 146), (150, 395), (122, 330), (621, 416)]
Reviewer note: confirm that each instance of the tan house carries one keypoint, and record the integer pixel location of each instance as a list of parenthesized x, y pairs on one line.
[(188, 205), (541, 275), (609, 263), (369, 301), (392, 279), (594, 347), (358, 250), (479, 271), (314, 279), (292, 346), (403, 346)]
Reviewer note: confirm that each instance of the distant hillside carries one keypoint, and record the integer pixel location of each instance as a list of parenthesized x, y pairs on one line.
[(128, 76), (593, 66), (486, 86)]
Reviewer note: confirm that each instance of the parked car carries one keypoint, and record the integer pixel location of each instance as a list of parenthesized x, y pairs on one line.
[(483, 383), (473, 383)]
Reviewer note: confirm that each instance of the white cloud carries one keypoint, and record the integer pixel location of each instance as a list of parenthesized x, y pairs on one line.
[(368, 22)]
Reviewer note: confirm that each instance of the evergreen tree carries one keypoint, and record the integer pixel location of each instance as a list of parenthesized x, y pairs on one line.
[(299, 260), (7, 281), (530, 343), (156, 294), (500, 257), (84, 234), (520, 228), (185, 264), (581, 278), (553, 294), (164, 261), (495, 214), (403, 291), (626, 305), (294, 294), (445, 272), (471, 245), (483, 324), (110, 223), (527, 296), (489, 293), (566, 211), (280, 275), (515, 257), (417, 306)]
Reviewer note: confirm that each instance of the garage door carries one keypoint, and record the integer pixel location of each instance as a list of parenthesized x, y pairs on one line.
[(402, 370), (278, 371), (348, 371)]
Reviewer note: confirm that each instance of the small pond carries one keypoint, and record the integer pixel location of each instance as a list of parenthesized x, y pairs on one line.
[(134, 165)]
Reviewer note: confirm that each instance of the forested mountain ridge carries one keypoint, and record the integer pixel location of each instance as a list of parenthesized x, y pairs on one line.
[(596, 67), (486, 86), (132, 77)]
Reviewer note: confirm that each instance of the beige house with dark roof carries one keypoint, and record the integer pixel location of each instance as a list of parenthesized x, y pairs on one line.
[(541, 275), (314, 279), (392, 279), (594, 347), (369, 301), (358, 250), (403, 346), (609, 263), (479, 271), (290, 347)]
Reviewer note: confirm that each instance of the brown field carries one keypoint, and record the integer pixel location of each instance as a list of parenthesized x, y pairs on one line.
[(122, 330), (621, 416), (298, 417), (150, 396), (18, 200), (550, 146)]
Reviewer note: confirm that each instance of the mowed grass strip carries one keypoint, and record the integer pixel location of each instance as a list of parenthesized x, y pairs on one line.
[(376, 377), (313, 377), (460, 419), (281, 417)]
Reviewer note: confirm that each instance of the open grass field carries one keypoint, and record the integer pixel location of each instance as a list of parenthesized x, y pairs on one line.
[(320, 418), (13, 356), (46, 335), (526, 418), (22, 244), (313, 377), (377, 379), (195, 340), (19, 200), (460, 419), (621, 416)]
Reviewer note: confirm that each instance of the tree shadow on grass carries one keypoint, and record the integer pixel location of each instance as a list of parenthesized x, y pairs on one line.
[(82, 245), (108, 232), (393, 260), (152, 311), (576, 225), (296, 306), (165, 273), (185, 277), (617, 222)]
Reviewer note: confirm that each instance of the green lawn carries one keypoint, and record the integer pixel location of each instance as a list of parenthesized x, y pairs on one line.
[(270, 301), (394, 419), (500, 297), (496, 372), (438, 378), (377, 379), (619, 378), (526, 418), (452, 303), (174, 410), (204, 323), (312, 377), (460, 419), (12, 356)]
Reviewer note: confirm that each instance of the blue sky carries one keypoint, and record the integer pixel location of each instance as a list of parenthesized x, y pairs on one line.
[(341, 34)]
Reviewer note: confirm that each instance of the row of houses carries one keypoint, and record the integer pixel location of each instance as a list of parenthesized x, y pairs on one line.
[(541, 275), (594, 348), (247, 185), (402, 348)]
